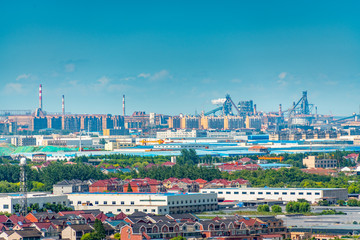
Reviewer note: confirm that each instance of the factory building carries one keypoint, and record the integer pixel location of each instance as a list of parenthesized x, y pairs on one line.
[(157, 203), (284, 194), (181, 133), (246, 108), (23, 141), (9, 200), (313, 162)]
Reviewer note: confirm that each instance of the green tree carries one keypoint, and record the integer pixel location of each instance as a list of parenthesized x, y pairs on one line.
[(117, 236), (102, 141), (88, 236), (263, 208), (352, 202), (178, 238), (99, 229), (324, 203), (276, 209), (129, 189), (340, 202)]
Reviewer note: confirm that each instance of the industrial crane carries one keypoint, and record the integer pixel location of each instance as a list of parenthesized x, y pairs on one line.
[(226, 107)]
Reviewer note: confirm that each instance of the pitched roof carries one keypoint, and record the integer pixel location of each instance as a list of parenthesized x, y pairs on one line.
[(28, 233), (44, 225), (3, 218), (81, 227)]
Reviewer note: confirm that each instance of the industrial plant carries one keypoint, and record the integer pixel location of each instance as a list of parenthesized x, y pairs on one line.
[(299, 119)]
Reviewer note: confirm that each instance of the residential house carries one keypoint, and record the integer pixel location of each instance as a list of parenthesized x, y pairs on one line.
[(107, 185), (75, 232)]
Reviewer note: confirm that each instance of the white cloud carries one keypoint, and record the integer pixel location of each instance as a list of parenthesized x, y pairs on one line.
[(160, 75), (283, 75), (282, 82), (70, 67), (13, 88), (23, 76), (102, 82), (144, 75)]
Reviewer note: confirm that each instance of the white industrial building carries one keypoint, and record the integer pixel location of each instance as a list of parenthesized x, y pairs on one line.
[(9, 200), (157, 203), (284, 194), (181, 133)]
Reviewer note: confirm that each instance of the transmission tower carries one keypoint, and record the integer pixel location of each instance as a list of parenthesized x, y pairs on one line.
[(23, 190)]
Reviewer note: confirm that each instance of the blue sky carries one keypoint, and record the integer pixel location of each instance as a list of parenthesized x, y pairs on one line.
[(174, 57)]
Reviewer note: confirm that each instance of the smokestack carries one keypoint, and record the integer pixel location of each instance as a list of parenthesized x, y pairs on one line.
[(124, 105), (63, 105), (280, 109), (254, 109), (40, 97)]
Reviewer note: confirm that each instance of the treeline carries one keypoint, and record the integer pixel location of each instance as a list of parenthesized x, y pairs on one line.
[(122, 160), (284, 177), (44, 179), (180, 171)]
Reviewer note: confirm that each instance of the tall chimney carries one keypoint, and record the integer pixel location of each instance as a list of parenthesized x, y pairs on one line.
[(254, 109), (40, 97), (280, 109), (63, 105), (124, 105)]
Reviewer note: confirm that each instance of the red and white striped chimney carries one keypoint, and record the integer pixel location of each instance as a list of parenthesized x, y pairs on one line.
[(40, 97), (63, 105)]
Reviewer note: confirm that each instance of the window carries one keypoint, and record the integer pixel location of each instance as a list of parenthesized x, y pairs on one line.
[(260, 193), (301, 193), (128, 210), (136, 210), (132, 203), (292, 193), (173, 202), (105, 202), (308, 193), (244, 192), (6, 206), (119, 210), (182, 202), (268, 193), (79, 202), (190, 201), (186, 201), (122, 202), (236, 192), (284, 193), (212, 191), (317, 193), (220, 192), (145, 210), (71, 202), (204, 191), (96, 202), (252, 193), (228, 192), (113, 202), (160, 210), (153, 210)]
